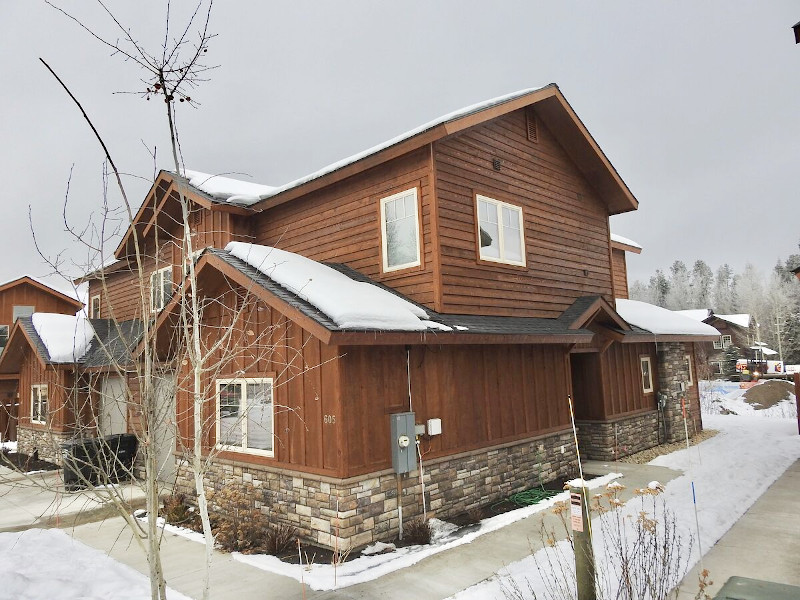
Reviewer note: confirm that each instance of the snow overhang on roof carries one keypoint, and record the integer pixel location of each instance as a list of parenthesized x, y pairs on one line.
[(623, 243), (698, 314), (740, 320), (550, 105), (663, 323)]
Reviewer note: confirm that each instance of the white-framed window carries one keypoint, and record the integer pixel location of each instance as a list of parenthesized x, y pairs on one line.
[(501, 235), (689, 369), (160, 288), (647, 374), (400, 231), (94, 307), (39, 403), (717, 367), (22, 311), (3, 336), (245, 415), (723, 342)]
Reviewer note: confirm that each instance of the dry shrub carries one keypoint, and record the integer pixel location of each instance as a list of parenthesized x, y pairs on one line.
[(177, 511), (240, 527), (417, 531)]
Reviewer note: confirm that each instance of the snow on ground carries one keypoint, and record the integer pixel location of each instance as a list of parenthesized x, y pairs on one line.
[(8, 446), (729, 472), (42, 564), (728, 396)]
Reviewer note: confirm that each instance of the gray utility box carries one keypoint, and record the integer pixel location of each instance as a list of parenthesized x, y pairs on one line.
[(403, 442)]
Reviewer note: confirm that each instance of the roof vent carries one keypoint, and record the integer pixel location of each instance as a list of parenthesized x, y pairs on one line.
[(530, 122)]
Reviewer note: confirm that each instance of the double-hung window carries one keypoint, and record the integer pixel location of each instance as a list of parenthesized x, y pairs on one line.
[(94, 307), (160, 288), (245, 415), (647, 374), (723, 342), (3, 336), (400, 231), (39, 403), (500, 232)]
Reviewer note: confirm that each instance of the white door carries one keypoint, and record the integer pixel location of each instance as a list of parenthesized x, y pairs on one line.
[(165, 429), (113, 406)]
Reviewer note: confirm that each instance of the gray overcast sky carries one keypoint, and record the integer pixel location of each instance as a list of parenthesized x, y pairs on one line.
[(695, 104)]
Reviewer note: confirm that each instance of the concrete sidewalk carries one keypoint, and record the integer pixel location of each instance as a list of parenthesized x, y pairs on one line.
[(433, 578), (39, 500), (763, 544)]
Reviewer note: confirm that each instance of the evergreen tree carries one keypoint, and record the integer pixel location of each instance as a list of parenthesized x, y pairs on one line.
[(679, 294), (701, 283), (723, 296), (731, 355)]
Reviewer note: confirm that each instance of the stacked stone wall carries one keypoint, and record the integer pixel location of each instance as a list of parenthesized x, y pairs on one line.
[(611, 440), (47, 443), (362, 510), (673, 377)]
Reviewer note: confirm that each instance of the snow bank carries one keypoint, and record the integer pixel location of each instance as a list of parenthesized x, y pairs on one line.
[(67, 338), (350, 304), (659, 320), (721, 397), (227, 189), (42, 564)]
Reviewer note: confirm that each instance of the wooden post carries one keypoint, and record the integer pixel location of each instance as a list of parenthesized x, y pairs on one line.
[(582, 542), (797, 393)]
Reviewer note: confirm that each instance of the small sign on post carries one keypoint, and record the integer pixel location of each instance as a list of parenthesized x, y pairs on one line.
[(582, 540)]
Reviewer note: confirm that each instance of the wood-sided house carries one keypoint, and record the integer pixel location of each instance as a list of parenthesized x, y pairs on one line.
[(22, 297), (464, 271)]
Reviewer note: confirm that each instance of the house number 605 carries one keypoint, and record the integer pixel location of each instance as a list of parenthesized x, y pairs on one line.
[(329, 419)]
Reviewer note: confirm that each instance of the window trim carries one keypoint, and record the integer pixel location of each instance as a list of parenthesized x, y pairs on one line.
[(500, 204), (690, 383), (727, 341), (243, 449), (159, 273), (648, 360), (14, 308), (94, 314), (37, 402), (384, 240)]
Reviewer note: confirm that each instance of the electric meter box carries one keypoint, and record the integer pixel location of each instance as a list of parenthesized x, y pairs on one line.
[(403, 442)]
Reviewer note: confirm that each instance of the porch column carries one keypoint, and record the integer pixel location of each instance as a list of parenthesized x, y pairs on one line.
[(672, 372)]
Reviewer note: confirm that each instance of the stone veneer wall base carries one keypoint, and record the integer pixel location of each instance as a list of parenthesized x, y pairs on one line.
[(46, 443), (611, 440), (367, 505)]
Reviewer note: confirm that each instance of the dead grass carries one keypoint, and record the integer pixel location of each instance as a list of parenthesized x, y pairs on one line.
[(645, 456)]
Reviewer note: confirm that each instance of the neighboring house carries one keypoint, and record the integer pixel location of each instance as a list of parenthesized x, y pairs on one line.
[(463, 271), (735, 330), (22, 297)]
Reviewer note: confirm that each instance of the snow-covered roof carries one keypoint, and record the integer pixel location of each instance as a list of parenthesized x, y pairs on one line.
[(623, 240), (350, 304), (762, 347), (249, 193), (661, 321), (742, 320), (230, 190), (67, 338), (698, 314)]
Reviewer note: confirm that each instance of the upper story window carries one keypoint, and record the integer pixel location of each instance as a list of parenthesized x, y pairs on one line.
[(3, 336), (160, 288), (500, 232), (647, 374), (723, 342), (245, 415), (400, 231), (39, 403), (22, 311), (94, 307)]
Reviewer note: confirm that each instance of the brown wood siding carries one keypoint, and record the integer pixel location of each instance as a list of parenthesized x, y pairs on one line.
[(622, 379), (484, 395), (620, 270), (26, 294), (9, 410), (33, 373), (120, 295), (566, 224), (341, 223), (264, 343)]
